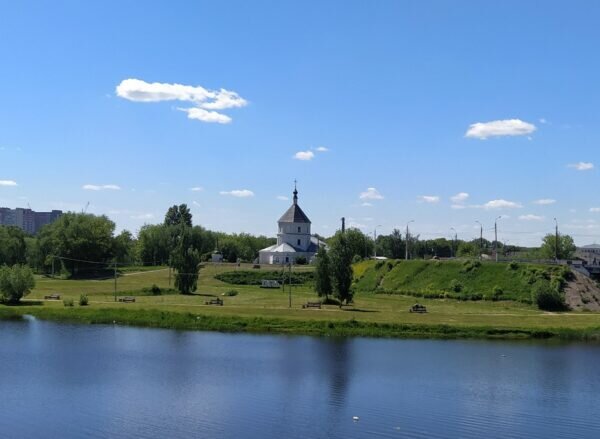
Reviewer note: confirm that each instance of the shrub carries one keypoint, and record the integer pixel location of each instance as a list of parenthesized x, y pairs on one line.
[(301, 260), (230, 293), (15, 282), (356, 259), (83, 300), (548, 299), (379, 264), (155, 290), (513, 265), (456, 286), (390, 265), (497, 293), (470, 265), (68, 302)]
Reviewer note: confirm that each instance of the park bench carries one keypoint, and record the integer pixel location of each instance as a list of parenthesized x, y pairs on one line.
[(421, 309), (127, 299), (266, 283), (216, 301), (52, 297), (312, 305)]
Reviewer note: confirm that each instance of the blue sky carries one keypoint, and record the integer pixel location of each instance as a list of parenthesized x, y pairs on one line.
[(392, 90)]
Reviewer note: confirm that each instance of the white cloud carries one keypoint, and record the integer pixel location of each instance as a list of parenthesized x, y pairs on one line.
[(371, 194), (282, 198), (582, 166), (365, 204), (458, 206), (321, 149), (143, 216), (8, 183), (531, 217), (544, 201), (498, 128), (197, 189), (206, 116), (304, 155), (104, 187), (595, 209), (239, 193), (432, 199), (461, 197), (543, 120), (501, 204), (203, 99)]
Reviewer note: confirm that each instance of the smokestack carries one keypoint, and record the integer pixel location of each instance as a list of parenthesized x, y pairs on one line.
[(343, 225)]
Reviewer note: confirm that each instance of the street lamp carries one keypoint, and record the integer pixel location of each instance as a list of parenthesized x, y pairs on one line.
[(480, 238), (375, 239), (556, 240), (407, 239)]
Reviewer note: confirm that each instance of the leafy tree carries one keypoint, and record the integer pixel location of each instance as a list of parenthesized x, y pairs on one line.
[(340, 257), (185, 261), (178, 215), (392, 246), (323, 275), (13, 249), (124, 247), (467, 249), (154, 244), (566, 247), (78, 236), (358, 243), (15, 282)]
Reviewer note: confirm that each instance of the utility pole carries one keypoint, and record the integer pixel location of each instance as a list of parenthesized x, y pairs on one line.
[(290, 284), (480, 238), (556, 240), (343, 225), (454, 241), (407, 239), (52, 267), (496, 237), (375, 240), (169, 271), (115, 266)]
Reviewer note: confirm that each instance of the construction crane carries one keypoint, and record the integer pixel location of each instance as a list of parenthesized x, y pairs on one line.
[(86, 207)]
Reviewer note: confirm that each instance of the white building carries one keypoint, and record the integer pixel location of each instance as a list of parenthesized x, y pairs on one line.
[(293, 239)]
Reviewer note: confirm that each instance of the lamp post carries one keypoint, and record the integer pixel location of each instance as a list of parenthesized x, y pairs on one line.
[(480, 238), (556, 240), (375, 240), (453, 252), (496, 237), (407, 239)]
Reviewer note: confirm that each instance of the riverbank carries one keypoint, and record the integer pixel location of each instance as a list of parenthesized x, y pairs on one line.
[(345, 328)]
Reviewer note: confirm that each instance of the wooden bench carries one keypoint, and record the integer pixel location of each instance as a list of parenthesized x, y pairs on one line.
[(127, 299), (52, 297), (421, 309), (312, 305), (216, 301)]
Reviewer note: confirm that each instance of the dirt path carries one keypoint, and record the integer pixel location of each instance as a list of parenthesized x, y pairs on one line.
[(582, 293)]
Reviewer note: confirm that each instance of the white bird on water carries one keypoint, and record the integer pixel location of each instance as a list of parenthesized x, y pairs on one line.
[(355, 418)]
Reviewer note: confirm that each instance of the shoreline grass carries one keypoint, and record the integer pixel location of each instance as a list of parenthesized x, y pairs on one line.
[(153, 318)]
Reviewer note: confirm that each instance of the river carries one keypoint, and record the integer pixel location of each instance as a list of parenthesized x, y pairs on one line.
[(75, 381)]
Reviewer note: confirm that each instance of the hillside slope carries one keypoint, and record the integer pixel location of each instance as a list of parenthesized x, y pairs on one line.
[(466, 280)]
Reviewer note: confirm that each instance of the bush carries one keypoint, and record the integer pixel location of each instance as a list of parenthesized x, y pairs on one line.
[(379, 264), (230, 293), (356, 259), (470, 265), (301, 260), (497, 293), (548, 299), (155, 290), (513, 265), (456, 286), (68, 302), (15, 282), (83, 300)]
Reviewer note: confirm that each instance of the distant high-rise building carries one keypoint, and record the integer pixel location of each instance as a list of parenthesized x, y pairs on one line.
[(26, 219)]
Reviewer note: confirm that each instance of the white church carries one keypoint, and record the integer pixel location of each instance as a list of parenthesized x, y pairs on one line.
[(293, 240)]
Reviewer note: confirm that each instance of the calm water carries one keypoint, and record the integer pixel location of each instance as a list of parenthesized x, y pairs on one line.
[(72, 381)]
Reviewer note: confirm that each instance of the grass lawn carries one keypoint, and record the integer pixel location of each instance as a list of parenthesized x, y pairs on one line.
[(258, 309)]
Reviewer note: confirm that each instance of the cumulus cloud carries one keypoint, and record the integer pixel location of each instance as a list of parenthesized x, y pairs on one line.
[(367, 204), (197, 189), (371, 194), (304, 155), (500, 128), (461, 197), (8, 183), (458, 206), (582, 166), (432, 199), (501, 204), (282, 198), (137, 90), (103, 187), (531, 217), (321, 149), (239, 193), (544, 201)]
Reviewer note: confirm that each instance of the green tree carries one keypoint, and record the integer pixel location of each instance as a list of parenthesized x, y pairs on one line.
[(178, 215), (185, 261), (323, 274), (358, 243), (566, 247), (392, 246), (154, 245), (15, 282), (340, 257), (13, 249), (124, 247), (76, 237)]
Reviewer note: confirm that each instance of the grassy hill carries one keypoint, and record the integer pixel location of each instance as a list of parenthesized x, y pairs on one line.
[(466, 280)]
